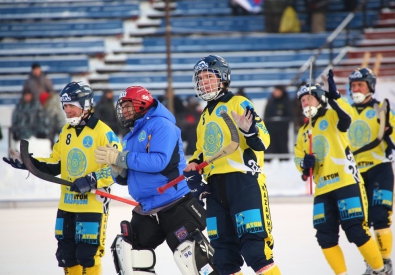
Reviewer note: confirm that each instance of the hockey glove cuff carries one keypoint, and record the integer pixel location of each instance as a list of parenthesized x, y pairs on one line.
[(246, 122), (198, 188), (84, 184), (15, 159), (118, 171)]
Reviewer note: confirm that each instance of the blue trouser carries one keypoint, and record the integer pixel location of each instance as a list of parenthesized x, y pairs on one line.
[(80, 238), (379, 185), (345, 206), (238, 222)]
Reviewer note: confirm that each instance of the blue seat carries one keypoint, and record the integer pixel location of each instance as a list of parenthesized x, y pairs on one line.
[(61, 29), (70, 11), (207, 24), (243, 43), (89, 47), (68, 64), (204, 8)]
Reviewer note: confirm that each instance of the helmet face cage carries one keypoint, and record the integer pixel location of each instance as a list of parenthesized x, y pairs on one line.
[(316, 90), (209, 73), (77, 91), (364, 74), (140, 101)]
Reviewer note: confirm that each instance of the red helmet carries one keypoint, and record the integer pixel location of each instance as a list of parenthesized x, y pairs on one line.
[(141, 101)]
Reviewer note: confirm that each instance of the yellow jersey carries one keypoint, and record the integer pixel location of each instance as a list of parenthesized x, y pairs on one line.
[(213, 134), (73, 157), (363, 130), (335, 166)]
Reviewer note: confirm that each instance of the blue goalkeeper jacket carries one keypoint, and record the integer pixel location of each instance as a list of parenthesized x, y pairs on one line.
[(155, 157)]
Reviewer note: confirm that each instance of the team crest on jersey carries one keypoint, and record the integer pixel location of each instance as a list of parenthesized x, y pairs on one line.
[(87, 141), (142, 136), (213, 139), (359, 133), (220, 109), (323, 125), (76, 162), (320, 147), (370, 114)]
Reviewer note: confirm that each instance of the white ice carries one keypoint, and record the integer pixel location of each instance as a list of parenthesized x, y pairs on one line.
[(28, 210)]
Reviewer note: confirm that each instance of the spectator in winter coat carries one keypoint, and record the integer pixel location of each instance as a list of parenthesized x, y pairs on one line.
[(278, 114), (28, 118), (55, 113), (38, 82), (105, 111)]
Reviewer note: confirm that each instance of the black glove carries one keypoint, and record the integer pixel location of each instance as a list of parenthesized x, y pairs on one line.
[(387, 119), (84, 184), (307, 162), (198, 188), (332, 90), (15, 160)]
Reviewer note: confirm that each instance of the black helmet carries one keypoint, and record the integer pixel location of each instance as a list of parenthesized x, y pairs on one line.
[(77, 91), (214, 64), (364, 74), (316, 90)]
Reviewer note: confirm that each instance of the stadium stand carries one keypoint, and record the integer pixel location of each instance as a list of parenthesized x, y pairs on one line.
[(133, 55), (44, 48), (57, 64)]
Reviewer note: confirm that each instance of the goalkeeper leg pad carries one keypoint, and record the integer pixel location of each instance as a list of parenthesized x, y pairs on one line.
[(130, 261), (194, 256)]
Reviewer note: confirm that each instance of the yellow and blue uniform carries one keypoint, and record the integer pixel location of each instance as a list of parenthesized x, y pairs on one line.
[(238, 215), (339, 198), (375, 165), (82, 218)]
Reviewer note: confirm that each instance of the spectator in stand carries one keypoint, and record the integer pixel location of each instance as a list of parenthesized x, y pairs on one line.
[(105, 111), (38, 82), (55, 113), (316, 10), (192, 118), (28, 118), (241, 92), (277, 115), (273, 9), (179, 108)]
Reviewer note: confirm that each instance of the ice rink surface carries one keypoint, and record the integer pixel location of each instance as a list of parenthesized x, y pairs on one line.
[(28, 245)]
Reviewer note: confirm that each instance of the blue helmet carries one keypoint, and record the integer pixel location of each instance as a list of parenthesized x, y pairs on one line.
[(77, 91), (364, 74), (316, 90), (213, 64)]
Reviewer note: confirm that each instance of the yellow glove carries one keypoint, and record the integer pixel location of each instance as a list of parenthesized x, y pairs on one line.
[(111, 156)]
